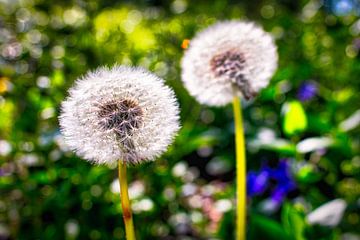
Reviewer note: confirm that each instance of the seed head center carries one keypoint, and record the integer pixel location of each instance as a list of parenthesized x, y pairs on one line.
[(228, 63), (231, 64), (122, 116)]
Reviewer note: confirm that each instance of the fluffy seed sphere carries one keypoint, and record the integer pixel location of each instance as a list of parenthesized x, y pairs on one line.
[(119, 113), (229, 58)]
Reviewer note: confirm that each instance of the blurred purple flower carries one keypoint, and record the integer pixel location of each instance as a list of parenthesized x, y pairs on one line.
[(258, 183), (307, 91)]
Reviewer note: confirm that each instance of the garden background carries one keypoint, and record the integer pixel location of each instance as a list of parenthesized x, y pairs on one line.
[(303, 128)]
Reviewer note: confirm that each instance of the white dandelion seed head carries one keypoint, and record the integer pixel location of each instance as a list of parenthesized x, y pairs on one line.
[(228, 58), (119, 113)]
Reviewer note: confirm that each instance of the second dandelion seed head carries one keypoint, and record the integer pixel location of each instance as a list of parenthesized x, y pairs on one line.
[(229, 58)]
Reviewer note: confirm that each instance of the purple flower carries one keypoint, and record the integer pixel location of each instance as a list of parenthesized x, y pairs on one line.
[(307, 91), (277, 180), (278, 195), (257, 183)]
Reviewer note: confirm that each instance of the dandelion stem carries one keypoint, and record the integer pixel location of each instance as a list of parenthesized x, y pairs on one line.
[(240, 172), (125, 203)]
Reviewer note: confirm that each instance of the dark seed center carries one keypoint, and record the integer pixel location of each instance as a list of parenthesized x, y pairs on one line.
[(227, 63), (231, 64), (122, 116)]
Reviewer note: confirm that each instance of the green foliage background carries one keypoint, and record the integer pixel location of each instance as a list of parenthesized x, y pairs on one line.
[(46, 192)]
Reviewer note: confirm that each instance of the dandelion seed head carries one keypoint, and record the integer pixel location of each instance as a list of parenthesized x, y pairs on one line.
[(119, 113), (228, 58)]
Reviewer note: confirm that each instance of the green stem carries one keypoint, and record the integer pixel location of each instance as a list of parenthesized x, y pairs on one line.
[(125, 203), (240, 172)]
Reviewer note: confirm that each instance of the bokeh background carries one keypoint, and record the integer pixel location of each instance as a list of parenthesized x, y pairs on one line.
[(303, 144)]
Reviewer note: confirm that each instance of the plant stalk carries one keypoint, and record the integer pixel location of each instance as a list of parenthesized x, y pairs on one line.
[(240, 172), (125, 203)]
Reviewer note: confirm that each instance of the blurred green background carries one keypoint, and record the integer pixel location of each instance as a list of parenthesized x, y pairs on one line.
[(307, 118)]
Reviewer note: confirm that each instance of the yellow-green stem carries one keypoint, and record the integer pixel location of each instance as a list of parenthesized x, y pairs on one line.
[(125, 203), (240, 172)]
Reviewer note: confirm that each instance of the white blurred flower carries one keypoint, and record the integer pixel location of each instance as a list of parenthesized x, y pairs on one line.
[(313, 144), (144, 205), (119, 113), (223, 205), (352, 122), (136, 189), (268, 206), (5, 147), (114, 186), (179, 169), (329, 214), (30, 159), (72, 228), (228, 58), (188, 189)]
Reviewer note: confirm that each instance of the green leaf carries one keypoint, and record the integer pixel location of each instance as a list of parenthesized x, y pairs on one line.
[(227, 228), (308, 174), (293, 221), (295, 120), (281, 145), (265, 228), (57, 78)]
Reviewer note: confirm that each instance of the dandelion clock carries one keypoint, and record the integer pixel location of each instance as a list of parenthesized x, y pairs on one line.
[(123, 116), (229, 58), (226, 61)]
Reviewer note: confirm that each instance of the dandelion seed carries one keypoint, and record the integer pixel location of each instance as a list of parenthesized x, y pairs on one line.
[(229, 58), (119, 113)]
